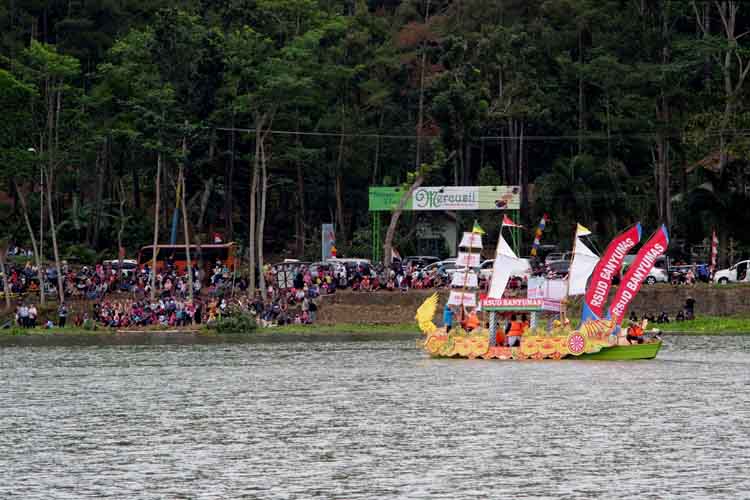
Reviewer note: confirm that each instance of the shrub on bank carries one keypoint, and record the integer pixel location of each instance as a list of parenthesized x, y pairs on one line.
[(241, 323)]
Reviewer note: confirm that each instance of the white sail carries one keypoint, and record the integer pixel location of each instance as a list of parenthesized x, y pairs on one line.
[(466, 259), (471, 240), (463, 279), (466, 299), (506, 264), (583, 264)]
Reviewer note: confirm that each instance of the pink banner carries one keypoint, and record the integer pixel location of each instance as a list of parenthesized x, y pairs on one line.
[(607, 268), (637, 273)]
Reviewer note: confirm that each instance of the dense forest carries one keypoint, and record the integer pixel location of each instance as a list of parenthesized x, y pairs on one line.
[(265, 118)]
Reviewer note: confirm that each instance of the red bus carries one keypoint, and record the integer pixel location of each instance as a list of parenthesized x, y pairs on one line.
[(204, 255)]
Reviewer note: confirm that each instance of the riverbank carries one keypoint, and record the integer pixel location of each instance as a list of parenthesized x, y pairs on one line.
[(341, 328), (708, 325)]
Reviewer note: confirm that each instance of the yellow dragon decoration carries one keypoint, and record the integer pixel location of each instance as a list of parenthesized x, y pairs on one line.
[(426, 313)]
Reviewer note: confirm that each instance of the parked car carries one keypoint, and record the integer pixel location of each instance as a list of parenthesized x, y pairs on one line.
[(447, 268), (558, 268), (317, 267), (129, 266), (558, 256), (419, 261), (658, 273), (436, 265), (736, 273)]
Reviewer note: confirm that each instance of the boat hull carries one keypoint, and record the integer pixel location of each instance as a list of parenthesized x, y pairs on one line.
[(587, 345), (624, 352)]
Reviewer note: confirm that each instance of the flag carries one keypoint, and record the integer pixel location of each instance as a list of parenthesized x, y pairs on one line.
[(508, 222), (582, 231), (714, 251), (608, 267), (637, 273), (538, 235), (477, 228)]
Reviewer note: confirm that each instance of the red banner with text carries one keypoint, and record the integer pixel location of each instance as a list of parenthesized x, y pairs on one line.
[(607, 268), (637, 273)]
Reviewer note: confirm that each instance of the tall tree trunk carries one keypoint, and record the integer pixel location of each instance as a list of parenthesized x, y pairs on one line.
[(262, 217), (376, 162), (205, 198), (253, 200), (156, 226), (339, 187), (6, 286), (53, 230), (136, 189), (99, 197), (229, 188), (395, 216), (301, 214), (580, 91), (189, 262), (34, 247), (121, 230), (420, 116)]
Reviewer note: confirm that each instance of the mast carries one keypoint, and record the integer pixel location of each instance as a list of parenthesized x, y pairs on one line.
[(466, 279), (564, 302)]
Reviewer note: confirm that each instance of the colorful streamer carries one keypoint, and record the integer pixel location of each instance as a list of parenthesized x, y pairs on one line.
[(538, 234)]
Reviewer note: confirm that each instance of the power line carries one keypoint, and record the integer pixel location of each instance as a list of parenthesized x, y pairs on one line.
[(583, 137)]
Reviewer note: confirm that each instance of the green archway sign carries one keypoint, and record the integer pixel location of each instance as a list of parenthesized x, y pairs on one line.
[(451, 198)]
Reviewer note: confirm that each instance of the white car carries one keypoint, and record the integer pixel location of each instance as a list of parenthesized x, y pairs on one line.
[(737, 272), (656, 275)]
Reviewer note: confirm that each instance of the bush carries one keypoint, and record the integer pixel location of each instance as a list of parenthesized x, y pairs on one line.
[(242, 323), (81, 254), (89, 325)]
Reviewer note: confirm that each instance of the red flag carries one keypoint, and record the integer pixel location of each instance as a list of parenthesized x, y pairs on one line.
[(714, 251), (508, 222), (637, 273), (607, 268)]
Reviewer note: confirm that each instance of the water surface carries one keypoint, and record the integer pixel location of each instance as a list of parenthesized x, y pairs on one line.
[(347, 418)]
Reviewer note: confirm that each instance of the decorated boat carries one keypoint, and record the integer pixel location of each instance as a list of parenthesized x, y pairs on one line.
[(600, 335)]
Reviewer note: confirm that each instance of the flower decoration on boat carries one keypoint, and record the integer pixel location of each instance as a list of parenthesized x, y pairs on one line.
[(576, 343)]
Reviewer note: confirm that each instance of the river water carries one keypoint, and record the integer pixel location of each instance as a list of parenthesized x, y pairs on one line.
[(351, 419)]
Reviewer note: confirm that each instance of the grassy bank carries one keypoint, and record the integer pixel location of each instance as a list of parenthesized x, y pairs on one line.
[(708, 325), (342, 328)]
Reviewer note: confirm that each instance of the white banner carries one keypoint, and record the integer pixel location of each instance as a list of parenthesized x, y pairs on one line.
[(471, 240), (461, 279), (468, 259), (466, 299), (467, 198)]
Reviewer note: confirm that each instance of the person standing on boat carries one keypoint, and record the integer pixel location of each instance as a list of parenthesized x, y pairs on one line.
[(471, 322), (447, 318), (515, 332)]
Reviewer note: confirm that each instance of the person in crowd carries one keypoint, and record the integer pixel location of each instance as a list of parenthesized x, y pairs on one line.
[(62, 314), (689, 308), (633, 317), (663, 317)]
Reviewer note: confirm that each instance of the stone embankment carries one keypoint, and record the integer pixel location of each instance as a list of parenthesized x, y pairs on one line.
[(396, 307)]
